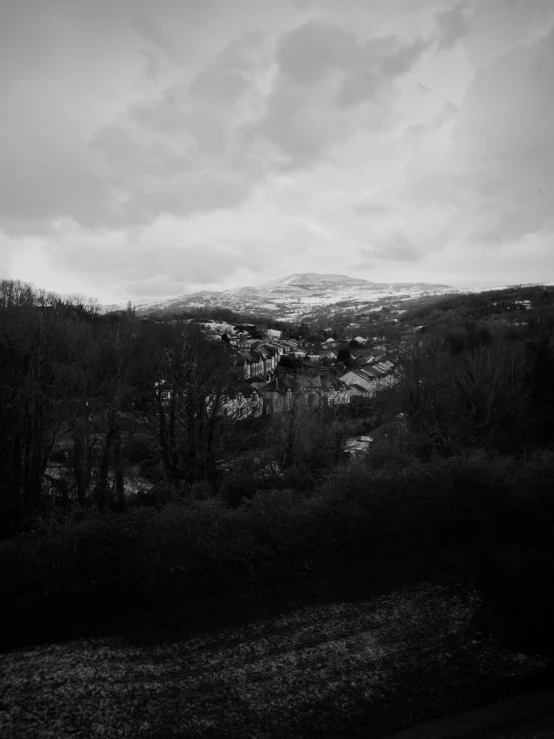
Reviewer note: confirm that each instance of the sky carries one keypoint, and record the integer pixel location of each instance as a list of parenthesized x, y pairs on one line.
[(149, 150)]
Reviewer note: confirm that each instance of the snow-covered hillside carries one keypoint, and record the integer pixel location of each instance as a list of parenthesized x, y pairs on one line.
[(299, 295)]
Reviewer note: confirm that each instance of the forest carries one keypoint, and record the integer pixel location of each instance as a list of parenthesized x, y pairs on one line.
[(123, 483)]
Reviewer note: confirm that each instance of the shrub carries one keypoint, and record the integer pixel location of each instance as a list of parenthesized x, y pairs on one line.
[(385, 505)]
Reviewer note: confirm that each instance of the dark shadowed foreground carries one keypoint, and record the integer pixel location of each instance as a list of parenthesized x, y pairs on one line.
[(344, 669)]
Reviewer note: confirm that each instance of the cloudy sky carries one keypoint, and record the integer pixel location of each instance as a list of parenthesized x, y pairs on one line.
[(154, 149)]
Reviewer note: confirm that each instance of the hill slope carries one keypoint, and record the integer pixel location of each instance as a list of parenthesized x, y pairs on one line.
[(297, 296)]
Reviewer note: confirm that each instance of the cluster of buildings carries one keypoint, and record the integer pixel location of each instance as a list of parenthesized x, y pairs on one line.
[(368, 380), (258, 358), (267, 390), (269, 387), (283, 393)]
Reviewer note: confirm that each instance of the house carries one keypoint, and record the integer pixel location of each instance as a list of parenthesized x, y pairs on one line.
[(259, 362), (270, 357), (247, 363), (247, 403), (272, 333), (384, 372), (287, 346), (524, 304), (334, 392), (383, 366), (365, 381), (254, 362), (245, 342), (277, 395), (305, 390), (332, 355), (358, 445)]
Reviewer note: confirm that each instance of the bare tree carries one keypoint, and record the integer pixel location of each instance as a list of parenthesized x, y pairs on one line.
[(38, 343), (187, 381), (475, 398), (114, 387)]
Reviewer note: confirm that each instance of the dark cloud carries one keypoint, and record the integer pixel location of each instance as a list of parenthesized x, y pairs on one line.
[(229, 75), (307, 54), (131, 155), (404, 58), (325, 72), (182, 152), (451, 27), (113, 117), (153, 176), (220, 87), (46, 182), (178, 153)]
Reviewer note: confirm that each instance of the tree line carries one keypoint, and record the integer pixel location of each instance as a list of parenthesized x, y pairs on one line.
[(467, 387), (84, 390), (84, 395)]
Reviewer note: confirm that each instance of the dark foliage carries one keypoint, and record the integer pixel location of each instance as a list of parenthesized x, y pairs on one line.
[(460, 474)]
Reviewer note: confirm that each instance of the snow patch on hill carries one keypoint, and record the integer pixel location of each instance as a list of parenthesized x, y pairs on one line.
[(297, 295)]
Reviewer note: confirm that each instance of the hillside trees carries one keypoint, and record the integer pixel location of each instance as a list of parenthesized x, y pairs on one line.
[(308, 434), (186, 381), (113, 367), (478, 397), (38, 345), (76, 387), (540, 382)]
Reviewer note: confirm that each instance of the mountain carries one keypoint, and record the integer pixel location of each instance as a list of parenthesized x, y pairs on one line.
[(300, 296)]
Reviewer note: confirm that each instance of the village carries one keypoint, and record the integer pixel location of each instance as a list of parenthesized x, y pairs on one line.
[(279, 372)]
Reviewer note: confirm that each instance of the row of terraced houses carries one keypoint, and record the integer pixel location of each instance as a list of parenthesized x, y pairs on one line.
[(264, 391)]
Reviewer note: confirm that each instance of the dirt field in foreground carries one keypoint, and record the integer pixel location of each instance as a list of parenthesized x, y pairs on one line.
[(329, 670)]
